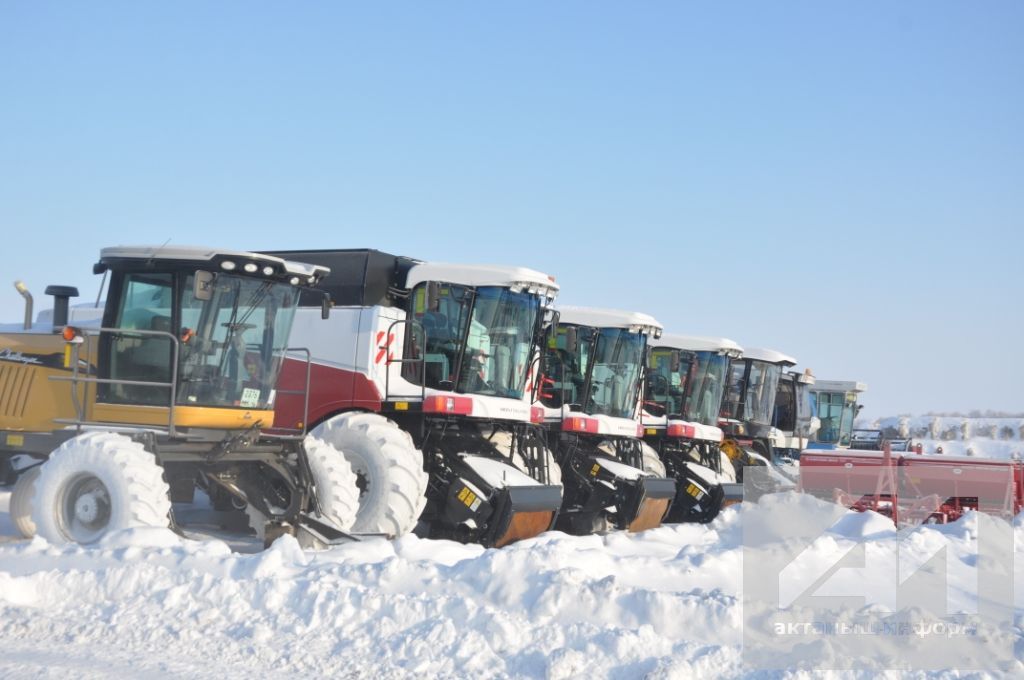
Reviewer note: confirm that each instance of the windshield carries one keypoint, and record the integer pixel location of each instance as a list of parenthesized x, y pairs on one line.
[(751, 392), (233, 344), (785, 405), (230, 347), (477, 341), (835, 411), (704, 393), (566, 362), (608, 360), (666, 382), (615, 375), (804, 409), (762, 382)]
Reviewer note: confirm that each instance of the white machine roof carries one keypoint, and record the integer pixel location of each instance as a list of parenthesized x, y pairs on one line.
[(699, 343), (768, 355), (481, 275), (200, 254), (839, 386), (608, 318)]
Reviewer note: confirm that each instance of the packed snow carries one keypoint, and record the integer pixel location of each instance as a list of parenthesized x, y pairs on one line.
[(666, 603)]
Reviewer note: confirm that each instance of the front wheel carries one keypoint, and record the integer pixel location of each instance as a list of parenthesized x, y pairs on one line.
[(97, 483), (21, 502), (389, 467)]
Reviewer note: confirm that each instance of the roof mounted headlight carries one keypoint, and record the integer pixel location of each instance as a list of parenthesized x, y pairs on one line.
[(251, 267), (294, 280), (268, 271), (228, 266)]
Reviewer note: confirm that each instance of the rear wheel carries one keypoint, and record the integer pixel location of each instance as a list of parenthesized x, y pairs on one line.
[(97, 483), (337, 492), (392, 482), (21, 502)]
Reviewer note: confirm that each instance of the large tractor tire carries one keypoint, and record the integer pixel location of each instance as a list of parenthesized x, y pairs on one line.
[(21, 502), (337, 490), (392, 481), (652, 461), (97, 483)]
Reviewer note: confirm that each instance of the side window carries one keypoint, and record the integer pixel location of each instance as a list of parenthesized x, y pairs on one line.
[(145, 305)]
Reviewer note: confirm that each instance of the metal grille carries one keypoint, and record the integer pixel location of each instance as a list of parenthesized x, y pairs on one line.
[(15, 387)]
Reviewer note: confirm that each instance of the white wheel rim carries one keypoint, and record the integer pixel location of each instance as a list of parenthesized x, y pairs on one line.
[(83, 508)]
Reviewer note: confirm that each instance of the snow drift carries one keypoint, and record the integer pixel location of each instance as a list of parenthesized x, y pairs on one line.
[(662, 604)]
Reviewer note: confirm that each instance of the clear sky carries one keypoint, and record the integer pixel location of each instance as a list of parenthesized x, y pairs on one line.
[(840, 181)]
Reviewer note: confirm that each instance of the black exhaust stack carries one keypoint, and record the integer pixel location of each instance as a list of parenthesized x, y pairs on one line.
[(61, 295)]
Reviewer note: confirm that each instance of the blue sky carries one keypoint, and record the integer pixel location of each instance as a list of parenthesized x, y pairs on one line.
[(840, 182)]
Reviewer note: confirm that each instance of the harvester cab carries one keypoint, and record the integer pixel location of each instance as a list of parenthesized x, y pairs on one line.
[(835, 405), (750, 438), (686, 378), (422, 376), (172, 389), (593, 369), (794, 415)]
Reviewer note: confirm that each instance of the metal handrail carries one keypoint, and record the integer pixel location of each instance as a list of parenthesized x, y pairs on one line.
[(75, 379), (305, 392), (421, 360)]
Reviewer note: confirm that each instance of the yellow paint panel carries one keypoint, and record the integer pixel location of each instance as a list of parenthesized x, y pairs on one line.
[(184, 416)]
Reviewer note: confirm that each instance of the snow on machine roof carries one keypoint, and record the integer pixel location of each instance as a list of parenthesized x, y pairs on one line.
[(839, 386), (482, 275), (700, 343), (768, 355), (609, 318)]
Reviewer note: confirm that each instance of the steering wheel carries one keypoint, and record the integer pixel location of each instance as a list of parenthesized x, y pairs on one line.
[(658, 383)]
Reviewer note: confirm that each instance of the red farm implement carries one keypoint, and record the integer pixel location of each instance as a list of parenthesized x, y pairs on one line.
[(913, 489)]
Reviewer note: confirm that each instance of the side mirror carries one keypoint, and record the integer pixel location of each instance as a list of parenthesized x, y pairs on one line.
[(202, 285), (325, 306), (433, 296), (675, 360), (570, 339)]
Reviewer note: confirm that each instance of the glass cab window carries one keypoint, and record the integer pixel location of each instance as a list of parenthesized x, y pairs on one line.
[(565, 368), (233, 343), (230, 343), (615, 374), (830, 413), (732, 404), (785, 405), (762, 383), (666, 381), (477, 341), (705, 387), (146, 304)]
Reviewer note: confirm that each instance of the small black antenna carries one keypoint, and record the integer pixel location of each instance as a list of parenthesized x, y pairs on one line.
[(99, 293), (156, 252)]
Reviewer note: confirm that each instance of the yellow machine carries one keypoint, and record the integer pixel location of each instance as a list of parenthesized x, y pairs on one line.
[(105, 423)]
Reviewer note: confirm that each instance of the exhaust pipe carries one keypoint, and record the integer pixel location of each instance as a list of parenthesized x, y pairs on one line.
[(61, 295), (23, 289)]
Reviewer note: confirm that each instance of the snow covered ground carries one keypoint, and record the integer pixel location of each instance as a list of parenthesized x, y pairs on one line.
[(663, 604), (957, 435)]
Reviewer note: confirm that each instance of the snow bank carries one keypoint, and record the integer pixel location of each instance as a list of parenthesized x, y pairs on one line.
[(662, 604), (957, 435)]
